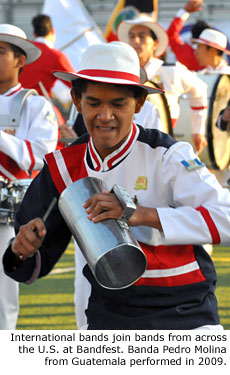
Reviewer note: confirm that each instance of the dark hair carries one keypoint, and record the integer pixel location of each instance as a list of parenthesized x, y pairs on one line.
[(80, 85), (198, 27), (17, 51), (153, 35), (42, 25), (219, 52)]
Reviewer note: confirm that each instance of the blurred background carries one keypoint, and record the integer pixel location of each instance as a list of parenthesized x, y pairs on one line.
[(20, 12)]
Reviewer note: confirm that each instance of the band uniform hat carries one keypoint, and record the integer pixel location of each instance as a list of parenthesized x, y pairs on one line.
[(16, 36), (213, 38), (162, 37), (114, 63)]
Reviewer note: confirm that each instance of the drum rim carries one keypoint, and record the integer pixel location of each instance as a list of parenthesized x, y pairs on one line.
[(168, 115), (209, 124)]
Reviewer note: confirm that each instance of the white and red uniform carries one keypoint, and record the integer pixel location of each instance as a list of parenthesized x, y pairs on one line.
[(20, 155), (36, 135), (177, 289), (177, 80)]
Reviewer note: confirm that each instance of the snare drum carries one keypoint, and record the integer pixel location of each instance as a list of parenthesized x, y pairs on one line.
[(217, 154), (11, 196)]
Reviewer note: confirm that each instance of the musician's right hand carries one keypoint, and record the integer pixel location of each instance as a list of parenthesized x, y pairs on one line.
[(29, 239), (199, 142)]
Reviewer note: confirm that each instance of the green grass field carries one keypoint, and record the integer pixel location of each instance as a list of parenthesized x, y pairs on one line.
[(221, 258), (48, 303)]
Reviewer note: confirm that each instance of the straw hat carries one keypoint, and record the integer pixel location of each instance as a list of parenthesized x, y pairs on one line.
[(213, 38), (162, 37), (14, 35), (115, 63)]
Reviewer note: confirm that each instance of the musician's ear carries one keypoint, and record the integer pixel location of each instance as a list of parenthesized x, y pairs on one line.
[(76, 101), (21, 61), (140, 101)]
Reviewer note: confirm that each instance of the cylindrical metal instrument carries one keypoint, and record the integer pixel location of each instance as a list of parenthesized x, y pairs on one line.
[(112, 253)]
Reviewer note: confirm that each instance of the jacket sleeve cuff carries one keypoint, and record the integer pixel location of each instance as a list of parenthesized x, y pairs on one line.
[(182, 14)]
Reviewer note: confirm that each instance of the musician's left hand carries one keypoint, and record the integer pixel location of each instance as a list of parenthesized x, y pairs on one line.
[(102, 206)]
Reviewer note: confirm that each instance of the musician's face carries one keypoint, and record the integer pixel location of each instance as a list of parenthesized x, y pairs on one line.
[(108, 112), (9, 67), (204, 54), (141, 40)]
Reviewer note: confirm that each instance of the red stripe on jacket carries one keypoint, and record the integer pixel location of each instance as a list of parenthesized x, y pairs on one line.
[(210, 223), (122, 152), (12, 167), (168, 257), (55, 173), (74, 161), (28, 144)]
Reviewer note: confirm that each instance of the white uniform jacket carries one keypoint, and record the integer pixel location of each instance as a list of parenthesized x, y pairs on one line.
[(36, 134), (177, 289), (178, 80), (192, 206)]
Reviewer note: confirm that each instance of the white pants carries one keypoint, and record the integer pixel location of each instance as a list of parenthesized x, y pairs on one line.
[(9, 289)]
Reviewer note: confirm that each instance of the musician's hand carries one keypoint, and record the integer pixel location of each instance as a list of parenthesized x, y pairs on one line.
[(105, 205), (199, 142), (67, 132), (102, 206), (29, 239), (226, 114), (10, 131), (193, 6)]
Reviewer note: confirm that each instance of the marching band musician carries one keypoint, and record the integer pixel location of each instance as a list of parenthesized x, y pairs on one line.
[(150, 41), (51, 58), (211, 47), (184, 52), (22, 144), (179, 205)]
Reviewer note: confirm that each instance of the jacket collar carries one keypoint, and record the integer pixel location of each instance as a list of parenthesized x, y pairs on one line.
[(117, 156), (13, 90)]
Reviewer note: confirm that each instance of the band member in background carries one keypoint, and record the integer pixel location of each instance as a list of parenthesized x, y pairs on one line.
[(150, 41), (22, 145), (184, 51), (51, 58), (179, 205), (210, 51)]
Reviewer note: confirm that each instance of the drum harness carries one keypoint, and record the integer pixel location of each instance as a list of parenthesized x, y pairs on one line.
[(12, 120)]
